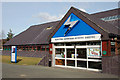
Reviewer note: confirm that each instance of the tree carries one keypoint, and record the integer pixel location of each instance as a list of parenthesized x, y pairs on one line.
[(9, 35)]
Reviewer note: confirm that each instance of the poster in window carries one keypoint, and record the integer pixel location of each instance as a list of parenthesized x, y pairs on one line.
[(94, 52)]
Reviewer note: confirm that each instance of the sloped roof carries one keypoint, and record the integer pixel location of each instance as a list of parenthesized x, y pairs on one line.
[(37, 34), (99, 25), (109, 13)]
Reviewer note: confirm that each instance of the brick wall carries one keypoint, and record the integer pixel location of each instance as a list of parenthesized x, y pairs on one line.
[(111, 64)]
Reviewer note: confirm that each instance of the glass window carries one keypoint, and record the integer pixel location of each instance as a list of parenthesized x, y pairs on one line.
[(70, 53), (70, 44), (81, 53), (94, 65), (94, 43), (59, 44), (24, 48), (27, 48), (38, 48), (30, 48), (80, 43), (43, 48), (70, 62), (47, 48), (112, 48), (94, 52), (82, 64), (60, 62), (60, 52)]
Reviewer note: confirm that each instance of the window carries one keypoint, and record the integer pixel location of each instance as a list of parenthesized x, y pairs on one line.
[(27, 48), (80, 43), (47, 48), (43, 48), (34, 48), (82, 64), (95, 65), (30, 48), (93, 43), (60, 62), (81, 53), (38, 48), (70, 53), (112, 48), (59, 44), (70, 44), (70, 62), (24, 48), (60, 52)]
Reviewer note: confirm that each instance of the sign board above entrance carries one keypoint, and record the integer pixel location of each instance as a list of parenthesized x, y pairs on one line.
[(77, 38)]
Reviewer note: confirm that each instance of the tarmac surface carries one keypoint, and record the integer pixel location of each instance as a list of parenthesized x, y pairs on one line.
[(24, 71)]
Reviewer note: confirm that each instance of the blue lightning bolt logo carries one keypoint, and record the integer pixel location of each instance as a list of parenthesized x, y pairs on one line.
[(70, 24)]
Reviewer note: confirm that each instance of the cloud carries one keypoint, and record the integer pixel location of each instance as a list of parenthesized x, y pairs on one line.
[(46, 17), (83, 10)]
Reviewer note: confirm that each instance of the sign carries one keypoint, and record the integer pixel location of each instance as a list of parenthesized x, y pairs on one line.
[(104, 52), (70, 24), (14, 54), (94, 52), (77, 38)]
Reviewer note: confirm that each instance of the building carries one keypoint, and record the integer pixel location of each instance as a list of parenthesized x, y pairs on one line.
[(79, 40)]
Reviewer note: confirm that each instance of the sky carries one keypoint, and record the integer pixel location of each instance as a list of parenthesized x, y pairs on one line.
[(19, 16)]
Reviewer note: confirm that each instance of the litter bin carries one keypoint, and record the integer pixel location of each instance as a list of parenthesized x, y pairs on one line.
[(49, 62)]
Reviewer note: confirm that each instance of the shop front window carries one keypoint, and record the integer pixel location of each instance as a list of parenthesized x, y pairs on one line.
[(94, 43), (70, 44), (82, 64), (60, 52), (59, 44), (71, 63), (80, 43), (60, 62), (81, 53), (70, 53), (94, 65)]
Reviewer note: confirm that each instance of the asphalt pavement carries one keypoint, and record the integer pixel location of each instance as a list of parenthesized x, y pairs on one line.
[(24, 71)]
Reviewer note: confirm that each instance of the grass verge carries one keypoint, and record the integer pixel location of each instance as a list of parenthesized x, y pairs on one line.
[(21, 60)]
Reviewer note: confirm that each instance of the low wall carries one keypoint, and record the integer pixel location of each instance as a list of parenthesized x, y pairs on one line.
[(111, 64)]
